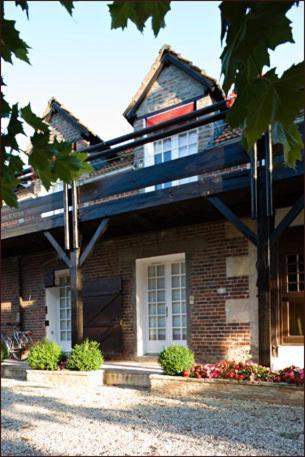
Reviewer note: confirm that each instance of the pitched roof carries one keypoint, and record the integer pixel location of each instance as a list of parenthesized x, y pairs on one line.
[(168, 55), (54, 106)]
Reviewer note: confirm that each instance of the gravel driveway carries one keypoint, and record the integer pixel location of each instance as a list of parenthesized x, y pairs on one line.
[(114, 421)]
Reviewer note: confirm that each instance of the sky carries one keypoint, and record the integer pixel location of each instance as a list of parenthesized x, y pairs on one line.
[(95, 71)]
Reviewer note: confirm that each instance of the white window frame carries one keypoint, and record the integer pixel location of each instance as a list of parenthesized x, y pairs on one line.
[(149, 156), (141, 302)]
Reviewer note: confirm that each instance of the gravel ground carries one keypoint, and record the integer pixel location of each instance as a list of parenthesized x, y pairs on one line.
[(114, 421)]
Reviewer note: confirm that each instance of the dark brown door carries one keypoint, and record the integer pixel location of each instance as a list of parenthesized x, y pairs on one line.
[(292, 286), (103, 313)]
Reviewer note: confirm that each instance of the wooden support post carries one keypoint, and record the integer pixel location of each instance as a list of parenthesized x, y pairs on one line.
[(76, 298), (265, 225), (76, 275)]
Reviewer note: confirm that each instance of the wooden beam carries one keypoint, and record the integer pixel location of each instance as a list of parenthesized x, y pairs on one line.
[(144, 200), (76, 298), (288, 219), (61, 253), (103, 225), (231, 217), (265, 224), (205, 161)]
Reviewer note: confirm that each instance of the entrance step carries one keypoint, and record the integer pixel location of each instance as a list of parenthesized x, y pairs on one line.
[(14, 369), (133, 374)]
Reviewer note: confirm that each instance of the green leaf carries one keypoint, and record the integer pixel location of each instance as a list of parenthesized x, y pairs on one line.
[(5, 107), (251, 29), (291, 140), (23, 5), (33, 120), (139, 12), (11, 43), (68, 4)]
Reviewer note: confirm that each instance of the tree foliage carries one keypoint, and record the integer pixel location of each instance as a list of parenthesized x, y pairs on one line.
[(50, 160), (249, 29)]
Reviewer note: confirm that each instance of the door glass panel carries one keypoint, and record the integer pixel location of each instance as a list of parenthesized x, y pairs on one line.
[(64, 309), (178, 301), (296, 319), (156, 303), (295, 273)]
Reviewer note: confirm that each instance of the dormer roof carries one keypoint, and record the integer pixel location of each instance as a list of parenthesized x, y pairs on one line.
[(165, 57), (54, 106)]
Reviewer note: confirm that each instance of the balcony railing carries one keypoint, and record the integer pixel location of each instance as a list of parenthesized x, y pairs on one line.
[(120, 186)]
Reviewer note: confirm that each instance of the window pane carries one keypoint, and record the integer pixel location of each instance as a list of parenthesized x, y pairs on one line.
[(175, 281), (175, 268), (193, 149), (158, 159), (176, 294), (158, 147), (296, 319), (182, 267), (176, 334), (193, 137), (161, 309), (176, 308), (62, 314), (151, 271), (183, 151), (167, 144), (167, 156), (160, 270), (152, 297), (152, 334), (151, 284), (182, 140), (161, 296), (161, 334), (176, 321), (152, 322), (152, 310), (161, 322), (160, 283), (184, 334)]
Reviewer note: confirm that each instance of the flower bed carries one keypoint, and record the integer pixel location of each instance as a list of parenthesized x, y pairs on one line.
[(246, 371)]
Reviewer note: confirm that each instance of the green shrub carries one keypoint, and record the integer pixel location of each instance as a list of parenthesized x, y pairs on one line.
[(4, 353), (45, 355), (86, 356), (176, 359)]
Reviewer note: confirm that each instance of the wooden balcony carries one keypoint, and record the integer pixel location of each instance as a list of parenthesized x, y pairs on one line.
[(223, 169)]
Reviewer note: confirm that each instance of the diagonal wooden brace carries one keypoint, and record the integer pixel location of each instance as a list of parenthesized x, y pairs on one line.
[(97, 235), (288, 219), (61, 253), (231, 217)]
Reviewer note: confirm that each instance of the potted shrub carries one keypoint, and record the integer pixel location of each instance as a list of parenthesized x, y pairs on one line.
[(4, 353), (86, 356), (176, 360), (44, 355)]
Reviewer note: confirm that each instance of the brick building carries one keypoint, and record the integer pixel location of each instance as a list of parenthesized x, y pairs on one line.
[(171, 271)]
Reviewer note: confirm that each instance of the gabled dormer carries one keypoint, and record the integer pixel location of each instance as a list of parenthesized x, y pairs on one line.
[(171, 82), (173, 86)]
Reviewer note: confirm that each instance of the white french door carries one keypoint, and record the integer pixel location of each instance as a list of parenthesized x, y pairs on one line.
[(164, 317), (64, 318)]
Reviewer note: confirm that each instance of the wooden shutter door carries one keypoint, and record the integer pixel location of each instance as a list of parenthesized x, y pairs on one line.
[(103, 313)]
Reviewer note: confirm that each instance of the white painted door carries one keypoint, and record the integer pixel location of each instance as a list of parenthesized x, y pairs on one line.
[(58, 302), (165, 305), (64, 314)]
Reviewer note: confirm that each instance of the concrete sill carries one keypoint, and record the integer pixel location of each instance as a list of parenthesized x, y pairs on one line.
[(66, 377)]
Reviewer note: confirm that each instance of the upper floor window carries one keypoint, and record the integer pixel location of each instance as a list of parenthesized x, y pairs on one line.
[(171, 148)]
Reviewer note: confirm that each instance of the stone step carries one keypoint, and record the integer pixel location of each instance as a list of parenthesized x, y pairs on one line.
[(129, 374), (14, 369)]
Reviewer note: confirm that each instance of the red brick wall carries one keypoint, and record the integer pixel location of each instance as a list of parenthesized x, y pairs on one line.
[(209, 335)]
